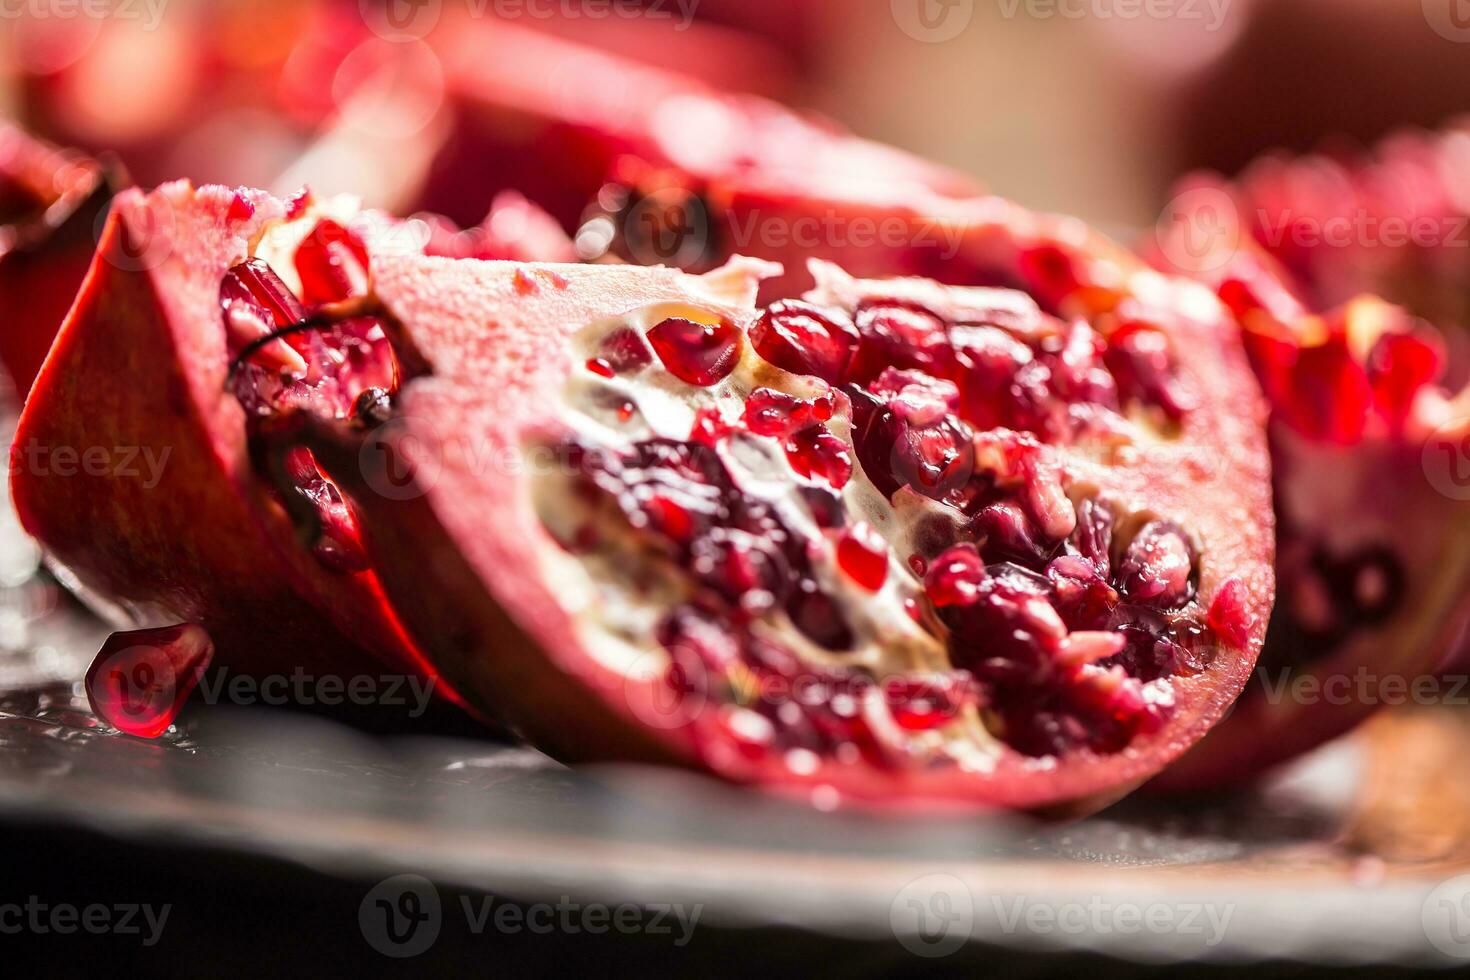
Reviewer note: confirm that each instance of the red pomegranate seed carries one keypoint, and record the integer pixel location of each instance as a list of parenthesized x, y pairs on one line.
[(139, 680), (625, 411), (804, 339), (255, 282), (921, 703), (1330, 394), (918, 564), (600, 367), (1229, 615), (241, 207), (955, 577), (624, 350), (1157, 566), (815, 453), (1399, 366), (863, 555), (1050, 273), (1142, 362), (332, 263), (769, 412), (697, 353)]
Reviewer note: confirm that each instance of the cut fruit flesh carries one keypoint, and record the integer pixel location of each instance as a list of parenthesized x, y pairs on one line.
[(662, 515)]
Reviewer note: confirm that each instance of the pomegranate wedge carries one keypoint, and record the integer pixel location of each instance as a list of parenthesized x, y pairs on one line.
[(137, 462), (1370, 451), (893, 542)]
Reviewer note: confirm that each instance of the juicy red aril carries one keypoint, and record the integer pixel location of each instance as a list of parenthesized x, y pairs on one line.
[(863, 555), (920, 703), (1158, 567), (815, 453), (1006, 534), (621, 351), (954, 578), (898, 335), (769, 412), (332, 263), (804, 339), (1330, 395), (1084, 598), (339, 543), (139, 680), (255, 283), (1230, 615), (1050, 273), (1399, 366), (1143, 365), (697, 353)]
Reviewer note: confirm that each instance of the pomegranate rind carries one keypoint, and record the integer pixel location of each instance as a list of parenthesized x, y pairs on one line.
[(459, 554), (138, 371)]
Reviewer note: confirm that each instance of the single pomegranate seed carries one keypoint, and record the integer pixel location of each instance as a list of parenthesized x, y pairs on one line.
[(1006, 534), (1330, 394), (1142, 363), (1050, 273), (815, 453), (804, 339), (697, 353), (622, 351), (1082, 596), (769, 412), (241, 207), (332, 263), (1158, 566), (863, 555), (1399, 367), (139, 680), (921, 703), (918, 564), (1230, 616), (255, 282), (955, 576), (626, 410), (600, 367)]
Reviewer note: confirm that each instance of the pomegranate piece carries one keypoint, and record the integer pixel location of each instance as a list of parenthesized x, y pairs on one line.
[(1372, 552), (761, 604), (139, 680), (802, 339), (698, 353), (204, 533)]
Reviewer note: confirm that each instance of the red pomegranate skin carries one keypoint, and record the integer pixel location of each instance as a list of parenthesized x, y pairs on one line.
[(460, 558)]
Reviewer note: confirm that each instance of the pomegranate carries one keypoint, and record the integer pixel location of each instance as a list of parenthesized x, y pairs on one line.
[(1368, 443), (50, 201), (988, 556), (210, 317)]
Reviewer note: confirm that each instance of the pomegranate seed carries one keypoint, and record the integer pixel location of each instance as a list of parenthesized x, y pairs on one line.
[(600, 367), (1086, 647), (1230, 616), (1140, 358), (1005, 534), (241, 207), (1050, 273), (921, 703), (697, 353), (1330, 394), (139, 680), (769, 412), (863, 555), (332, 263), (1400, 365), (954, 578), (253, 282), (1158, 566), (624, 350), (625, 411), (803, 339), (815, 453), (918, 564)]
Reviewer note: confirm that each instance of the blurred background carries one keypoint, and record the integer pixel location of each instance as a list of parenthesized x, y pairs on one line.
[(1085, 106)]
